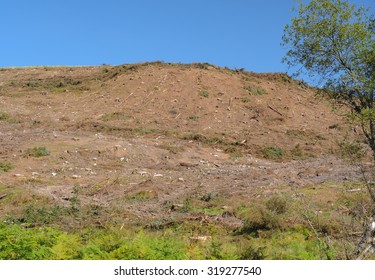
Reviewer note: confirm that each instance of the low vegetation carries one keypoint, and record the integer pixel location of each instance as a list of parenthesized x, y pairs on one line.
[(38, 152), (284, 225), (4, 116), (256, 91), (5, 166)]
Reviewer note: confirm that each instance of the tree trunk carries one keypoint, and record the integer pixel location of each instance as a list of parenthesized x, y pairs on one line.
[(372, 138), (367, 244)]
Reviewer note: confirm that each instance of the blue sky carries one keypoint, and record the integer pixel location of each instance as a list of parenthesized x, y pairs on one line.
[(233, 33)]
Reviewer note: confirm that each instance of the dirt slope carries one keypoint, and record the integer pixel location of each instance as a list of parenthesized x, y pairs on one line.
[(142, 138)]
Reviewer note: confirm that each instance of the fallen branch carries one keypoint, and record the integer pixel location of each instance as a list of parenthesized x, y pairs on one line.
[(126, 98), (273, 109)]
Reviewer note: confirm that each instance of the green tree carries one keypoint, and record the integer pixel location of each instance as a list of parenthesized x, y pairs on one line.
[(335, 40)]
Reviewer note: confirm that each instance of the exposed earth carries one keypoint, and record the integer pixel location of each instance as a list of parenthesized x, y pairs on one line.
[(142, 139)]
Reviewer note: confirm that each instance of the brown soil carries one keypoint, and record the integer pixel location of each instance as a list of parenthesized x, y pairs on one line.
[(144, 137)]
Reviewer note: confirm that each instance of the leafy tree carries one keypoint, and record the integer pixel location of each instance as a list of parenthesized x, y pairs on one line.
[(336, 41)]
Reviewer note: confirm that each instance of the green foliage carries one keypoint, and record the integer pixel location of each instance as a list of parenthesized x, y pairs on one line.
[(277, 204), (4, 117), (28, 244), (194, 118), (273, 153), (293, 245), (253, 253), (114, 116), (296, 152), (67, 247), (328, 36), (40, 214), (47, 243), (145, 195), (5, 166), (256, 91), (336, 40), (245, 100), (351, 151), (204, 94), (208, 197), (38, 152), (259, 218)]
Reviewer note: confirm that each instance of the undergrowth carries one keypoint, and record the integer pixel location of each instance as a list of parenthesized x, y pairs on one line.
[(309, 224)]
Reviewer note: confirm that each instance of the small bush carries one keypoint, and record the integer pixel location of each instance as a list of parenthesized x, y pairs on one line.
[(145, 195), (5, 166), (351, 151), (194, 118), (208, 197), (273, 153), (253, 253), (256, 91), (204, 94), (42, 215), (260, 218), (4, 117), (277, 204), (38, 152), (297, 152)]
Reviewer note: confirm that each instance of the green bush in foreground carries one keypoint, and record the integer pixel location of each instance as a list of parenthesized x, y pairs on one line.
[(38, 243), (17, 242)]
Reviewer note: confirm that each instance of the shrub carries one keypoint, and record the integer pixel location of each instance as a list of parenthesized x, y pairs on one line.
[(208, 197), (38, 152), (253, 253), (256, 91), (194, 118), (260, 218), (297, 152), (204, 94), (4, 117), (272, 152), (5, 166), (351, 151), (277, 204), (27, 244), (42, 215)]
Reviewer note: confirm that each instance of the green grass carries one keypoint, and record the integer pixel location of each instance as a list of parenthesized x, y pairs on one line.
[(114, 116), (273, 153), (194, 118), (4, 117), (5, 166), (204, 94), (273, 227), (38, 152), (174, 243), (255, 91)]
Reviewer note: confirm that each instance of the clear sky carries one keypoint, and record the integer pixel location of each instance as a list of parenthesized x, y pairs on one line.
[(233, 33)]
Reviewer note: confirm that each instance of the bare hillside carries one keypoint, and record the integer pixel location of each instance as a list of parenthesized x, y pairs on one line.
[(142, 138)]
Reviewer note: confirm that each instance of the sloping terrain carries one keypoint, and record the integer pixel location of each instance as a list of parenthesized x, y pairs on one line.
[(138, 144)]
